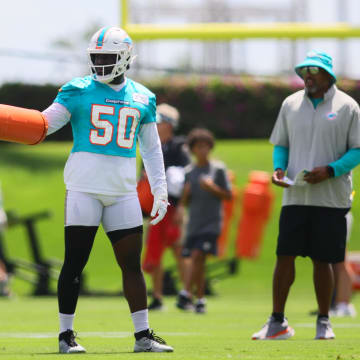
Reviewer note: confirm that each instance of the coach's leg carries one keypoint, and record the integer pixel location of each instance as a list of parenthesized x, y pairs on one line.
[(284, 276), (78, 243), (324, 285)]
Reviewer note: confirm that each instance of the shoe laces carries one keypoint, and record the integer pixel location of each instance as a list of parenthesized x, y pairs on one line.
[(70, 337), (156, 338)]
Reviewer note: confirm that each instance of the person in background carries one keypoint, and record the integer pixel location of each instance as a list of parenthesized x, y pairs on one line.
[(4, 276), (167, 233), (206, 185), (316, 140), (343, 283)]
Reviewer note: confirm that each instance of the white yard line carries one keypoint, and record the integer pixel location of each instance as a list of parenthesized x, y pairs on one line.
[(334, 325), (121, 334)]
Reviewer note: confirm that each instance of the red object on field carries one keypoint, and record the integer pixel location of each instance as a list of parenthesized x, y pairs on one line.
[(22, 125), (353, 264), (228, 212), (256, 208), (145, 196), (159, 237)]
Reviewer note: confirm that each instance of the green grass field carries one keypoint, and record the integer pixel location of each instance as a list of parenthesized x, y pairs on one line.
[(32, 181)]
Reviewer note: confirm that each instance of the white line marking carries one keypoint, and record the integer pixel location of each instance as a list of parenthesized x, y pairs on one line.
[(312, 325), (120, 334)]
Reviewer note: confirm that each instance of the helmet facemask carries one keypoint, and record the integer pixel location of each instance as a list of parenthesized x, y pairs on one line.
[(114, 55)]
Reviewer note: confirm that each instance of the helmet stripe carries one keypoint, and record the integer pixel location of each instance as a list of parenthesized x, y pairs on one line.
[(100, 39)]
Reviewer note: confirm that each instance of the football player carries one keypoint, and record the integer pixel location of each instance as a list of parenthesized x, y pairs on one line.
[(108, 112)]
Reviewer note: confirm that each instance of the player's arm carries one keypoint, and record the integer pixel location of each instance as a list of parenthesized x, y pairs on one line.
[(151, 153), (57, 115)]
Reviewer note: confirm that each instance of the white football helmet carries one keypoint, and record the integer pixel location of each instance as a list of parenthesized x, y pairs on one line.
[(113, 41)]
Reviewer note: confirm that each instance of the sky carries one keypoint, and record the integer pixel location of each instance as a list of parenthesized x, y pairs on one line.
[(30, 28)]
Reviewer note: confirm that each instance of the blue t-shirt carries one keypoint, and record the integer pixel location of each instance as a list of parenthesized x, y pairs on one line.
[(106, 121)]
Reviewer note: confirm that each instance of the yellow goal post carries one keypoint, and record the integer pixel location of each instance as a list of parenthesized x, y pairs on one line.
[(229, 31)]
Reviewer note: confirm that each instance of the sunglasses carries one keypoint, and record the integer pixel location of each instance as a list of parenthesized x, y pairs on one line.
[(313, 70)]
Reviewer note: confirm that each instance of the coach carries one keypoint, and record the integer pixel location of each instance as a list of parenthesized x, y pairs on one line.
[(316, 141)]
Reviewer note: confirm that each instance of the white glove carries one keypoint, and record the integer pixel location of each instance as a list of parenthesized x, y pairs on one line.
[(159, 207)]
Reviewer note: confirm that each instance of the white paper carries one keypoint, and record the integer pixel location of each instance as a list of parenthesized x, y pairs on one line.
[(299, 179)]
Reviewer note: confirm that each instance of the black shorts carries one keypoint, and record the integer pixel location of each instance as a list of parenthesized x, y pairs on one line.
[(314, 231), (207, 243)]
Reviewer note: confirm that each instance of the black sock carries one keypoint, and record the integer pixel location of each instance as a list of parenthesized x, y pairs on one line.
[(78, 244), (326, 316), (278, 316), (142, 334)]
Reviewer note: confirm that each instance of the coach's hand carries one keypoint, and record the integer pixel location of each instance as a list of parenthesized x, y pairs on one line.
[(159, 207), (277, 177), (317, 175)]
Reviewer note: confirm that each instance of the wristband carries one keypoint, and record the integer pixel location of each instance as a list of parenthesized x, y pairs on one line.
[(330, 171)]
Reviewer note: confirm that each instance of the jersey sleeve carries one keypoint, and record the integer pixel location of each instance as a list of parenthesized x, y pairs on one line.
[(68, 96), (221, 179), (354, 129), (280, 135), (150, 114)]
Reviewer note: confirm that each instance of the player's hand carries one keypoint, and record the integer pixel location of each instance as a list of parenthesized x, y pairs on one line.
[(277, 177), (317, 175), (159, 208)]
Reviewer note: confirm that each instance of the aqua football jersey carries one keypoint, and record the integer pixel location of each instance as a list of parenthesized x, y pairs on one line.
[(106, 121)]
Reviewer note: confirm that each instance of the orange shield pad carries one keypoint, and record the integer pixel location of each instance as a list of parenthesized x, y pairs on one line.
[(22, 125)]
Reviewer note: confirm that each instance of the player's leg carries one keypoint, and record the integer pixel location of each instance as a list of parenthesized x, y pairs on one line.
[(82, 217), (176, 250), (328, 247), (125, 233), (184, 298), (343, 285), (155, 247), (173, 240), (157, 277), (342, 305)]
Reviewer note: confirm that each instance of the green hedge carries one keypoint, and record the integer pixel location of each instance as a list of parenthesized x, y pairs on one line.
[(230, 107)]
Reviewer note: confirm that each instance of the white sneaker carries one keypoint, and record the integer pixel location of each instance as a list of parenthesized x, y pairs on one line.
[(274, 330), (151, 343), (324, 330), (343, 309), (67, 343)]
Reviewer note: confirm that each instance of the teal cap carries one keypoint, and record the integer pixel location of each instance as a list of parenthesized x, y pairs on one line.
[(320, 59)]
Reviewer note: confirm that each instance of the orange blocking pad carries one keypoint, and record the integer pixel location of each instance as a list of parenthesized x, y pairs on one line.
[(228, 216), (256, 209), (22, 125), (352, 263), (145, 196)]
